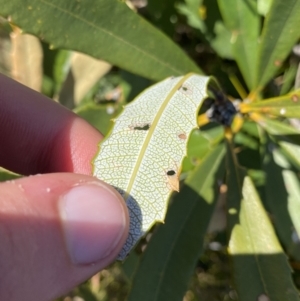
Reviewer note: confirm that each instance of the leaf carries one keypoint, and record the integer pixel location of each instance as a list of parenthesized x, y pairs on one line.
[(282, 197), (21, 56), (163, 15), (6, 175), (284, 134), (221, 42), (297, 79), (285, 106), (190, 9), (143, 155), (5, 48), (200, 144), (26, 59), (288, 79), (107, 30), (292, 151), (256, 254), (263, 6), (274, 127), (172, 253), (242, 19), (83, 74), (205, 16), (279, 35), (130, 265)]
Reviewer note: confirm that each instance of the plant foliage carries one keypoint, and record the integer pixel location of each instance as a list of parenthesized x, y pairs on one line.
[(252, 160)]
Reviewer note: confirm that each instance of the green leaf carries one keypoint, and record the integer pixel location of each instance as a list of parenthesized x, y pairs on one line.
[(104, 29), (6, 175), (84, 73), (275, 127), (200, 144), (5, 48), (190, 9), (289, 76), (172, 253), (100, 116), (260, 267), (291, 150), (163, 15), (279, 35), (130, 265), (221, 42), (283, 199), (285, 106), (210, 25), (263, 6), (242, 19), (144, 152), (283, 134)]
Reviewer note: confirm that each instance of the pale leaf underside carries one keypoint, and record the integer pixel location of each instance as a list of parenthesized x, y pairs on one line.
[(142, 156)]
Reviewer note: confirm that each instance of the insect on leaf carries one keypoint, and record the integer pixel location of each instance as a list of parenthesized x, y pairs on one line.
[(142, 156)]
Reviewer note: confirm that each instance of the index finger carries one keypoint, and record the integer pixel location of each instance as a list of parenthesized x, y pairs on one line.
[(38, 135)]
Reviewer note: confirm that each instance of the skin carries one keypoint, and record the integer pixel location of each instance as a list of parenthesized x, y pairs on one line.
[(39, 136)]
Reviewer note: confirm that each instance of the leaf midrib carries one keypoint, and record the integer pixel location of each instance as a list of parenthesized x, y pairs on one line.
[(151, 131)]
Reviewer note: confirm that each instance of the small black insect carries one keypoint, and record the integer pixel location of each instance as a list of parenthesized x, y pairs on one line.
[(221, 110)]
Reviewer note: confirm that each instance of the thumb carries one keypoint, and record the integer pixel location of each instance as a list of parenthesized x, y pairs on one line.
[(56, 230)]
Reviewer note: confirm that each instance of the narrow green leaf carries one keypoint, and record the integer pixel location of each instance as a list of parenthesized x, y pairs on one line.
[(289, 76), (5, 48), (291, 150), (285, 106), (260, 267), (204, 15), (190, 9), (6, 175), (242, 19), (263, 6), (104, 29), (274, 127), (280, 33), (246, 140), (130, 265), (283, 134), (283, 199), (163, 15), (171, 255)]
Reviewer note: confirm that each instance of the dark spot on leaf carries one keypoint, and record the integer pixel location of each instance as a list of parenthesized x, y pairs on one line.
[(183, 88), (143, 127), (171, 172)]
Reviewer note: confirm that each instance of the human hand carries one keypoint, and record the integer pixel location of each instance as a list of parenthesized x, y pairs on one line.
[(59, 228)]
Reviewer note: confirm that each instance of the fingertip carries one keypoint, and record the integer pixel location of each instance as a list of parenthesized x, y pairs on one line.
[(63, 228), (94, 222), (52, 138)]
